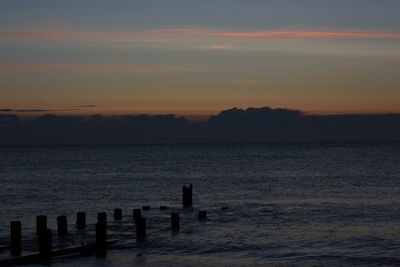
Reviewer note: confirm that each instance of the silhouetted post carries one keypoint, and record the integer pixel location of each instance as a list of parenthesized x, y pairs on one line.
[(62, 226), (81, 220), (175, 221), (117, 214), (146, 207), (45, 243), (101, 239), (41, 224), (15, 238), (141, 229), (137, 213), (187, 196), (203, 215), (102, 218), (164, 207)]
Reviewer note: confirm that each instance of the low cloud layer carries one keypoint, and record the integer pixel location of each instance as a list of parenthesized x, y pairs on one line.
[(253, 125)]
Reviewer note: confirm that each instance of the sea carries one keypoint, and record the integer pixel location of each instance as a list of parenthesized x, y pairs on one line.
[(330, 204)]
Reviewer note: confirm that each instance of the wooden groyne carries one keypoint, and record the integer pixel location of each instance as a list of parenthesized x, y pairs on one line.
[(79, 251), (98, 246)]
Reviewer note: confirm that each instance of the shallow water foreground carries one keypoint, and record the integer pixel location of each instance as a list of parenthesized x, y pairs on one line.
[(314, 204)]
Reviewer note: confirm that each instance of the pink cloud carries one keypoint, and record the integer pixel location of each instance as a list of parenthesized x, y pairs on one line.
[(219, 47), (288, 34), (82, 67), (191, 33)]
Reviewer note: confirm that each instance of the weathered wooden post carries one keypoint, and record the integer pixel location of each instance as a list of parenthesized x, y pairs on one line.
[(62, 226), (41, 224), (45, 244), (137, 213), (146, 208), (15, 238), (202, 215), (101, 234), (102, 218), (81, 220), (101, 239), (117, 214), (141, 229), (175, 221), (187, 196)]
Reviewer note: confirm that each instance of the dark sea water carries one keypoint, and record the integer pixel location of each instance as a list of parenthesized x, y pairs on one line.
[(298, 204)]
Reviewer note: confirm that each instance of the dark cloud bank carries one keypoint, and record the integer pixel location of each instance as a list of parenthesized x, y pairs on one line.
[(253, 125)]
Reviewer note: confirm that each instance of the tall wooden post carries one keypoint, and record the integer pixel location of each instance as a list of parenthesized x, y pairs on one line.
[(45, 244), (41, 224), (81, 220), (102, 218), (15, 238), (62, 226), (101, 239), (137, 213), (141, 229), (187, 197)]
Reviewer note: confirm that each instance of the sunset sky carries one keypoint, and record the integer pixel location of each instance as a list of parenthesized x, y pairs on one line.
[(198, 57)]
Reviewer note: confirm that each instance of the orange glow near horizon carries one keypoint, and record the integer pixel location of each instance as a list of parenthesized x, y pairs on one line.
[(82, 67), (199, 71)]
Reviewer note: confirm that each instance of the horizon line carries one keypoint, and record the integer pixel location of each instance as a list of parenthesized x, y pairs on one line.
[(194, 116)]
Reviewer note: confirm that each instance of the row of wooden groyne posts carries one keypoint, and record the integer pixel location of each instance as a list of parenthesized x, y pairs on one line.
[(99, 246)]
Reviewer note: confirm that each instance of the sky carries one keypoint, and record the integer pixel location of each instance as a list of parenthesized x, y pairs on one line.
[(195, 58)]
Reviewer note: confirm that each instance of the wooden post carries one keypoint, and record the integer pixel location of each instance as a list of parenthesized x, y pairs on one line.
[(203, 215), (164, 207), (41, 224), (187, 196), (141, 229), (137, 213), (15, 236), (45, 243), (117, 214), (146, 207), (175, 221), (101, 239), (102, 218), (81, 220), (62, 226)]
